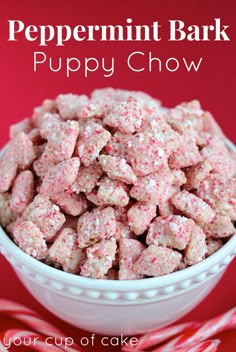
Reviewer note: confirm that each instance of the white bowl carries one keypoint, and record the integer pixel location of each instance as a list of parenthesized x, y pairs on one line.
[(118, 307)]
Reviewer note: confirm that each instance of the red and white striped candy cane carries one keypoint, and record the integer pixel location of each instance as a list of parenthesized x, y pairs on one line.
[(205, 346), (201, 332)]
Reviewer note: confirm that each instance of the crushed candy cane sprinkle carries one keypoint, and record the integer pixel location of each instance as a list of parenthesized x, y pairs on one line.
[(114, 186)]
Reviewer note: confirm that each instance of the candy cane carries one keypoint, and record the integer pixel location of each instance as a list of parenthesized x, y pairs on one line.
[(201, 332), (205, 346), (34, 321), (158, 336)]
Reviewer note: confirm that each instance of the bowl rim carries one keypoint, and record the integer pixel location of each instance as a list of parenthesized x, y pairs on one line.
[(229, 248), (121, 285)]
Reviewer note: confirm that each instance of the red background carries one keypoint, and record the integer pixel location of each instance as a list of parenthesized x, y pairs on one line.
[(214, 85)]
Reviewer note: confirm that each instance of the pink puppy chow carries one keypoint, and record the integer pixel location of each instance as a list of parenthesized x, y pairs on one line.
[(219, 157), (196, 248), (42, 165), (152, 188), (22, 126), (213, 245), (140, 216), (220, 193), (170, 231), (94, 108), (96, 225), (31, 240), (60, 177), (49, 125), (7, 215), (23, 151), (116, 146), (91, 141), (8, 170), (186, 117), (220, 226), (186, 155), (22, 191), (211, 126), (66, 252), (68, 104), (127, 116), (87, 178), (45, 215), (129, 252), (196, 174), (193, 206), (70, 203), (157, 261), (113, 192), (62, 141), (146, 154), (100, 257), (117, 168), (48, 105)]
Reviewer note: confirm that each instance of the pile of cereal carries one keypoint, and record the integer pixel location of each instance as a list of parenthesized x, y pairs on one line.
[(114, 186)]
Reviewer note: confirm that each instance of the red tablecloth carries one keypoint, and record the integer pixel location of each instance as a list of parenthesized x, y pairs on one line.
[(214, 85)]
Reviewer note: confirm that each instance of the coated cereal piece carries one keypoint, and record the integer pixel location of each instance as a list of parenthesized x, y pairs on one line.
[(140, 216), (116, 146), (213, 245), (152, 188), (194, 207), (7, 215), (129, 252), (117, 168), (60, 177), (35, 137), (93, 198), (100, 257), (87, 178), (31, 240), (70, 203), (196, 174), (22, 126), (50, 125), (186, 117), (66, 252), (94, 108), (62, 141), (113, 192), (196, 248), (95, 226), (22, 191), (91, 141), (48, 105), (42, 165), (211, 126), (146, 154), (68, 104), (220, 226), (8, 170), (219, 157), (186, 155), (220, 193), (45, 215), (179, 177), (170, 231), (165, 205), (157, 261), (23, 151), (123, 231), (127, 116)]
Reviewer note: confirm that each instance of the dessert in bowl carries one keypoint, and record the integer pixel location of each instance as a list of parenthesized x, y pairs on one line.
[(118, 214)]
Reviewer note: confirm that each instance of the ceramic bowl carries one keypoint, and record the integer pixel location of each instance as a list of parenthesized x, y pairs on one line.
[(112, 307)]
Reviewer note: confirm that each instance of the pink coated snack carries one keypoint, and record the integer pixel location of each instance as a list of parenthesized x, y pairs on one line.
[(157, 261), (22, 191), (29, 238), (129, 252), (66, 252), (114, 186), (194, 207), (170, 231)]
